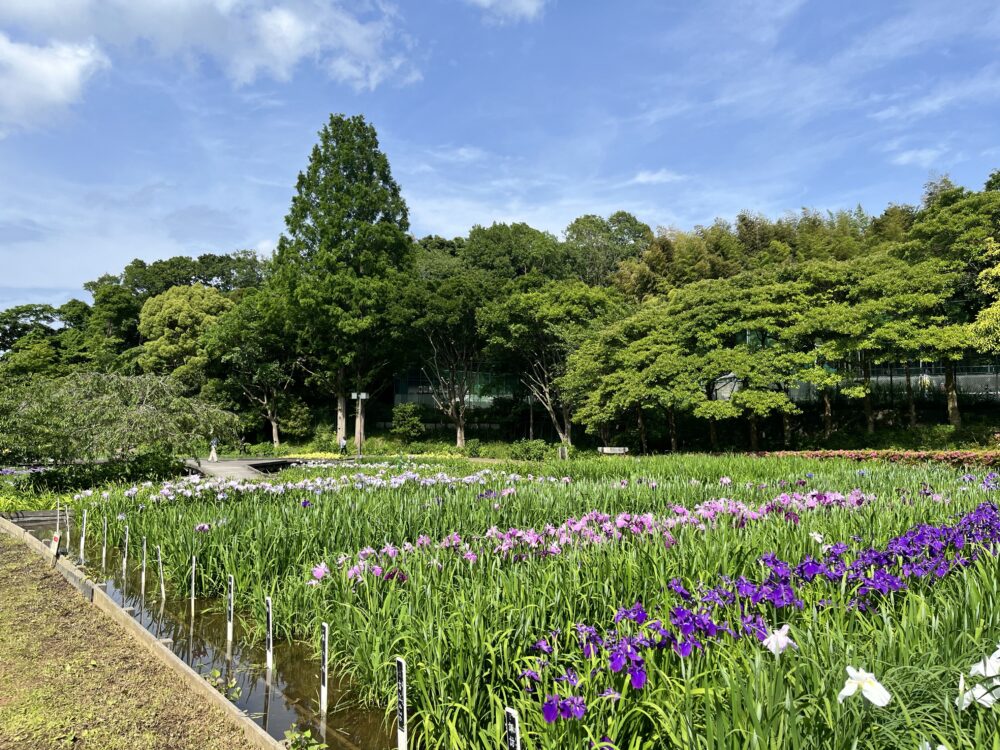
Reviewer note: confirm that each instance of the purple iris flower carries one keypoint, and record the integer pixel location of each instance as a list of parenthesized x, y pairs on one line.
[(572, 707), (550, 708)]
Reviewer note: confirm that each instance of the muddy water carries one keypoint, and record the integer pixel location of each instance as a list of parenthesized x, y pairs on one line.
[(289, 695)]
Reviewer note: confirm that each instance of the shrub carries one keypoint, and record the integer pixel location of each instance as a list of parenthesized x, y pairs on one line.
[(528, 450), (473, 448), (139, 468), (406, 424)]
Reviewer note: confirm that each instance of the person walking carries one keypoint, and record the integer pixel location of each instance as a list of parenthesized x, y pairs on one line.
[(213, 455), (343, 445)]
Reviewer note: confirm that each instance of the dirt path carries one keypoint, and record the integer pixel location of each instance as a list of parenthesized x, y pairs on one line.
[(71, 678)]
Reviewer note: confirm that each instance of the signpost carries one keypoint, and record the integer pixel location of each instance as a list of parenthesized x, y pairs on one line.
[(159, 563), (270, 637), (511, 729), (83, 533), (142, 580), (323, 669), (194, 562), (125, 553)]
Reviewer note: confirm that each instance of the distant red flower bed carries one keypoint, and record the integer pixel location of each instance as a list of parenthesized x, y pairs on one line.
[(952, 457)]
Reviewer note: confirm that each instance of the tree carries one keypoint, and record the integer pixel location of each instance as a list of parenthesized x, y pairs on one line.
[(339, 262), (515, 252), (597, 246), (537, 330), (439, 305), (172, 325), (90, 416), (249, 345), (17, 322)]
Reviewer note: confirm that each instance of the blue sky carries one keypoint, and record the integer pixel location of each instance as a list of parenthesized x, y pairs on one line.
[(150, 128)]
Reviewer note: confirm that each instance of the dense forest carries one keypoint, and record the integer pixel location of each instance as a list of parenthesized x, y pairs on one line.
[(755, 332)]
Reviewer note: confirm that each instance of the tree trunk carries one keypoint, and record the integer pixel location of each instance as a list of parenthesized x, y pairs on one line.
[(866, 371), (951, 389), (786, 429), (754, 437), (827, 413), (713, 435), (359, 425), (460, 432), (911, 405), (566, 434), (275, 437), (673, 430), (531, 418), (341, 416), (642, 433), (341, 408)]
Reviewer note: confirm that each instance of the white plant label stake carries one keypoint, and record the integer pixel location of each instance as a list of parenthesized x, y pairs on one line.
[(401, 703), (58, 514), (159, 564), (230, 605), (125, 553), (67, 530), (83, 533), (194, 562), (270, 635), (511, 729), (323, 669), (54, 545), (104, 544), (142, 580)]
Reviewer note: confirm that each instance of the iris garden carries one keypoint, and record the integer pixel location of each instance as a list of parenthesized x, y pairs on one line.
[(690, 601)]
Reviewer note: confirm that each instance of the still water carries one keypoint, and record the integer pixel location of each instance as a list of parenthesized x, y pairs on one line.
[(290, 695)]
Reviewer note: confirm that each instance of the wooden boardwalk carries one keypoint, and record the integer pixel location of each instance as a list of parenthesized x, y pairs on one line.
[(238, 469)]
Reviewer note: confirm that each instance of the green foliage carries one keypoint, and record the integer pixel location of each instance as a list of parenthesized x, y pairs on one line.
[(92, 416), (529, 450), (70, 477), (337, 267), (467, 628), (473, 448), (172, 325), (406, 422), (296, 740)]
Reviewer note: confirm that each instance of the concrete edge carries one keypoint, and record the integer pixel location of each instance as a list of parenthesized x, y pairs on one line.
[(254, 734)]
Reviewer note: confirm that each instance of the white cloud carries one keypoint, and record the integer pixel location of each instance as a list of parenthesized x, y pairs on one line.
[(919, 157), (659, 177), (358, 43), (983, 86), (511, 10), (37, 82)]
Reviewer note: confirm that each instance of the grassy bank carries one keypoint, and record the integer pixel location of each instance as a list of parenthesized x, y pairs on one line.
[(70, 678)]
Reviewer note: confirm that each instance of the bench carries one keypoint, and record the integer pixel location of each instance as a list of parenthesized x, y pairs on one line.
[(608, 450)]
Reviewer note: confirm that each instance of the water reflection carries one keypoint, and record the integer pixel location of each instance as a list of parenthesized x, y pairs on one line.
[(275, 699)]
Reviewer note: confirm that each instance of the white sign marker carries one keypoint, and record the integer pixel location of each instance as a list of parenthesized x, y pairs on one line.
[(104, 544), (142, 580), (83, 533), (125, 553), (511, 729), (270, 634), (159, 564), (325, 648), (401, 742), (54, 546), (230, 605)]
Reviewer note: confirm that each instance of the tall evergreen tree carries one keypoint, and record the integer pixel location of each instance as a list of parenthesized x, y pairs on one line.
[(338, 262)]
